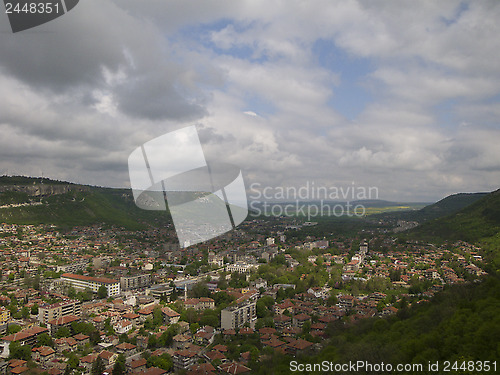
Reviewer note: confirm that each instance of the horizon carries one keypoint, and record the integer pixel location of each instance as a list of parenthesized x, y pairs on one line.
[(269, 201), (330, 92)]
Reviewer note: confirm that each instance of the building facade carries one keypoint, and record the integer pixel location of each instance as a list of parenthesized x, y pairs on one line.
[(93, 283), (135, 281), (58, 310), (237, 316)]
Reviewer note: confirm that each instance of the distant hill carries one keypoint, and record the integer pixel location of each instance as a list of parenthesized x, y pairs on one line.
[(446, 206), (25, 200), (449, 205), (479, 220)]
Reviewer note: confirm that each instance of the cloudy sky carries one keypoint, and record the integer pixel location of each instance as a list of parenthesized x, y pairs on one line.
[(404, 96)]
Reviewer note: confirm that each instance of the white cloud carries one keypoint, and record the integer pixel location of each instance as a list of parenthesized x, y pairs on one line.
[(79, 96)]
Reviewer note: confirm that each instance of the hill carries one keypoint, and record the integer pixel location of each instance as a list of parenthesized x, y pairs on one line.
[(444, 207), (477, 221), (26, 200), (449, 205)]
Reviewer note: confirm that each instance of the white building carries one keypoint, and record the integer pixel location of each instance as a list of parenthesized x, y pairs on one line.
[(241, 267), (93, 283)]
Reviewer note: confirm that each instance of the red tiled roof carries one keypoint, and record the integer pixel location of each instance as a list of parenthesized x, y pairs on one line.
[(215, 354), (126, 346), (246, 331), (234, 368), (19, 370), (105, 354), (64, 320), (221, 348), (89, 358), (185, 353), (24, 334), (138, 363), (153, 371), (130, 316)]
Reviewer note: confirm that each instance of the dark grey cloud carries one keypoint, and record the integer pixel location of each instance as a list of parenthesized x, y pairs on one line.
[(74, 53)]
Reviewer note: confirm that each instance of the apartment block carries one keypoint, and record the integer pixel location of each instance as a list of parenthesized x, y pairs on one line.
[(238, 315), (93, 283), (4, 315), (58, 310), (135, 281)]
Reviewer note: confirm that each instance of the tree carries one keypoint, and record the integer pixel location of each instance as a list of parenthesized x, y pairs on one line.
[(164, 362), (98, 367), (152, 342), (13, 328), (194, 327), (62, 332), (25, 312), (71, 292), (19, 351), (119, 367), (34, 309), (200, 289), (45, 340), (72, 361), (102, 292)]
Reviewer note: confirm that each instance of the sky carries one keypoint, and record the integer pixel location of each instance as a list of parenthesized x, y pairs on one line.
[(402, 96)]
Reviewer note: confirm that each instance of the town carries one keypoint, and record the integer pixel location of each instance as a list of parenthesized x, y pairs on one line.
[(98, 299)]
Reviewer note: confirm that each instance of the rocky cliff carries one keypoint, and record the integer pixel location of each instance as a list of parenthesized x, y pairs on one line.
[(42, 190)]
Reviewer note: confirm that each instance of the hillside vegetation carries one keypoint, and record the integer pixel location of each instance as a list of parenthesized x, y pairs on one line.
[(459, 324), (478, 221), (76, 208)]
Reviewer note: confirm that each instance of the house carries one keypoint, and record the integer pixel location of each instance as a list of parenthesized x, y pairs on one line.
[(87, 361), (299, 320), (282, 321), (234, 368), (126, 349), (170, 316), (286, 305), (137, 365), (183, 359), (181, 341), (346, 301), (43, 354), (274, 342), (146, 313), (99, 322), (108, 357), (62, 322), (297, 346), (201, 369), (152, 371), (122, 326), (214, 355), (24, 337), (199, 303), (81, 339), (65, 343), (132, 317), (205, 336)]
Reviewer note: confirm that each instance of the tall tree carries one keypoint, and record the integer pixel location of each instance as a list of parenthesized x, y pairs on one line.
[(97, 367)]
